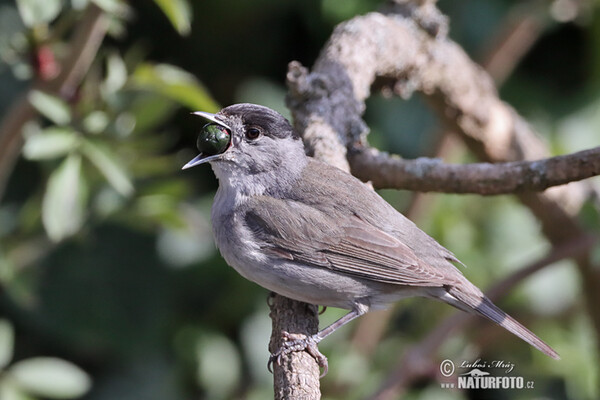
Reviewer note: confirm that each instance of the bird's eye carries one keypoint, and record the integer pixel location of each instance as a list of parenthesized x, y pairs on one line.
[(252, 133)]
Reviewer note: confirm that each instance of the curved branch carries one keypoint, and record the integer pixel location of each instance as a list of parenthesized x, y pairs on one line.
[(426, 174)]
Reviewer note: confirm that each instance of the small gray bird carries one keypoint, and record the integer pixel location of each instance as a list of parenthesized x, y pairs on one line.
[(314, 233)]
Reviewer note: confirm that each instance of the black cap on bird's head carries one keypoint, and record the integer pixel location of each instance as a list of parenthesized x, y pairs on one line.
[(235, 124)]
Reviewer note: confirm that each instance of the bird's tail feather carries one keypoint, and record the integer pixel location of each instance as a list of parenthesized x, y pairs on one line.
[(484, 307)]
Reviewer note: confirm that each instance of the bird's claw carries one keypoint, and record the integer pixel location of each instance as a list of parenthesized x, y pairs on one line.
[(293, 342)]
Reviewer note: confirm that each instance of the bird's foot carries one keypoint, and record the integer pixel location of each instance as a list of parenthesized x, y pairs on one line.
[(298, 342)]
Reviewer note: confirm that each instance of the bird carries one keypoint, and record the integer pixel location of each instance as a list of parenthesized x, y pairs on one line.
[(311, 232)]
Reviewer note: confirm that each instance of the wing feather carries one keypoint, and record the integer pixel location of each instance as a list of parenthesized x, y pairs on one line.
[(290, 230)]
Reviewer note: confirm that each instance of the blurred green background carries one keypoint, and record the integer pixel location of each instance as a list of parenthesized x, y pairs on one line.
[(110, 284)]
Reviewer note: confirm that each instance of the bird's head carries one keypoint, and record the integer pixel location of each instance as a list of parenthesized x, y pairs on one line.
[(248, 140)]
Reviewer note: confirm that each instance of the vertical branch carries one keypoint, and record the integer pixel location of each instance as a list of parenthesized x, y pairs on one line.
[(298, 375)]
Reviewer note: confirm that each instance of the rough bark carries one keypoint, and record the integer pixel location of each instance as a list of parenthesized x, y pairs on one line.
[(298, 375), (384, 170)]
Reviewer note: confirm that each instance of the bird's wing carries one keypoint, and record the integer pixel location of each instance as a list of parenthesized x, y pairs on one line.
[(345, 243)]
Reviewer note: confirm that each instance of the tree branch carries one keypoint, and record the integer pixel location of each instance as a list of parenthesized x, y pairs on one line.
[(298, 375), (425, 174), (85, 42)]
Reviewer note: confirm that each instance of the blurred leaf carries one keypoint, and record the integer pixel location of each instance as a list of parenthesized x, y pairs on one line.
[(116, 7), (552, 291), (149, 144), (7, 338), (108, 201), (262, 91), (178, 12), (34, 12), (157, 208), (174, 187), (51, 107), (109, 167), (124, 124), (51, 377), (219, 365), (154, 166), (96, 122), (182, 247), (254, 335), (79, 4), (174, 83), (63, 204), (116, 74), (338, 11), (151, 110), (50, 143), (191, 244), (10, 391)]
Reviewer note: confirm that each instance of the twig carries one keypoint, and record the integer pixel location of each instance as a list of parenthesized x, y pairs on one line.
[(426, 174), (83, 48), (521, 30)]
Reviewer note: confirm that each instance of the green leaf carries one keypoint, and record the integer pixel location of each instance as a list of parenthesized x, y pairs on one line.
[(51, 107), (159, 208), (79, 4), (151, 110), (7, 338), (50, 377), (176, 84), (63, 203), (96, 122), (114, 7), (109, 167), (116, 74), (219, 366), (10, 391), (34, 12), (178, 12), (50, 143)]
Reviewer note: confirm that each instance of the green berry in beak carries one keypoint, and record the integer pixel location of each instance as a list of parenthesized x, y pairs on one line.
[(213, 139)]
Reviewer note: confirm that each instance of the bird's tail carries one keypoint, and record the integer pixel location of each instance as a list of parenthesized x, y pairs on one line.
[(483, 306)]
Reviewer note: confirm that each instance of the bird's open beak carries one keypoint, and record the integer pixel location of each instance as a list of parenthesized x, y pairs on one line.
[(211, 118), (202, 158)]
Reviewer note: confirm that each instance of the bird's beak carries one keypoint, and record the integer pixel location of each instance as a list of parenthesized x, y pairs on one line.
[(202, 158), (211, 118)]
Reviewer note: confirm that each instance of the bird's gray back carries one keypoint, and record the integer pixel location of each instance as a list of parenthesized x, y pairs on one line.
[(353, 197)]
